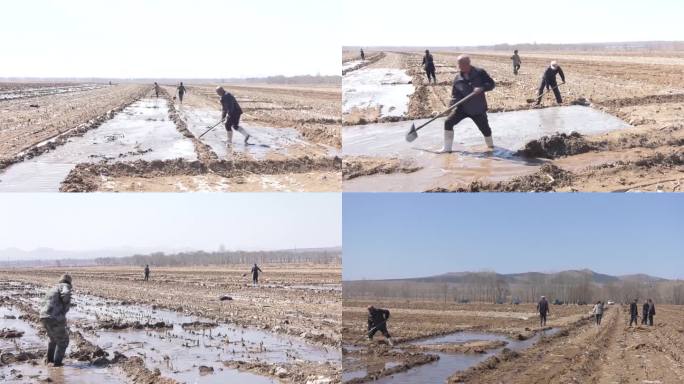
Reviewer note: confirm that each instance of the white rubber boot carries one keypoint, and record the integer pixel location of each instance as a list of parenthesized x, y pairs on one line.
[(490, 142), (244, 133), (448, 141), (230, 138)]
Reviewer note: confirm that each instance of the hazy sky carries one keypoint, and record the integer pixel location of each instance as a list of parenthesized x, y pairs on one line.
[(252, 221), (169, 38), (485, 22), (411, 235)]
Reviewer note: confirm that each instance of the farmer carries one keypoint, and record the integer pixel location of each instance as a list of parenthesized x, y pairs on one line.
[(598, 312), (363, 55), (147, 272), (469, 80), (543, 309), (516, 62), (377, 321), (53, 317), (429, 65), (156, 89), (548, 80), (181, 92), (644, 312), (651, 312), (231, 113), (255, 274), (633, 313)]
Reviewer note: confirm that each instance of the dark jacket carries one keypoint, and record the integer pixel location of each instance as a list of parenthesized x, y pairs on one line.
[(377, 317), (256, 270), (633, 310), (543, 307), (462, 87), (56, 303), (230, 105), (651, 310), (645, 309), (550, 74), (428, 61)]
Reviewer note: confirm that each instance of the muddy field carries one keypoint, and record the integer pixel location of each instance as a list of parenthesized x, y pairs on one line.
[(485, 343), (123, 138), (643, 91), (175, 327)]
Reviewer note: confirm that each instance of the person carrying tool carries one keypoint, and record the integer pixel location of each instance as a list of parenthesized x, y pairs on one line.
[(516, 62), (377, 321), (651, 312), (475, 80), (147, 272), (644, 312), (181, 91), (429, 65), (633, 313), (255, 274), (156, 89), (548, 80), (231, 113), (598, 312), (363, 55), (543, 309), (53, 312)]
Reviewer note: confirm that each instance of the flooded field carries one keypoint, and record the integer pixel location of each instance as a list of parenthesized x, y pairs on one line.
[(141, 131), (229, 342), (21, 91), (470, 159), (385, 89)]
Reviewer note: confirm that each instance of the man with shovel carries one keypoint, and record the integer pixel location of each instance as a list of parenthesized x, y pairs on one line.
[(53, 317), (231, 113), (255, 274), (469, 80), (429, 65), (548, 80), (377, 321)]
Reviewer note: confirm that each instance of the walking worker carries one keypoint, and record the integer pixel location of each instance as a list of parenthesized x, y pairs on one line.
[(548, 80), (181, 91), (231, 113), (598, 312), (156, 89), (363, 55), (633, 313), (516, 62), (377, 321), (644, 312), (429, 65), (651, 312), (255, 274), (543, 309), (53, 312), (147, 272), (469, 80)]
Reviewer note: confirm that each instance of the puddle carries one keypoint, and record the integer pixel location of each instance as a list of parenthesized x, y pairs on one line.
[(511, 130), (386, 88), (448, 363), (72, 373), (264, 140), (141, 131), (177, 352)]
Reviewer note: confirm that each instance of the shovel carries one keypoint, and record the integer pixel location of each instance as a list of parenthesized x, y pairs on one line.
[(210, 128), (413, 132), (544, 93), (368, 332)]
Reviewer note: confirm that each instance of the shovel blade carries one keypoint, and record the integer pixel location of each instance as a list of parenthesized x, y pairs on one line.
[(412, 134)]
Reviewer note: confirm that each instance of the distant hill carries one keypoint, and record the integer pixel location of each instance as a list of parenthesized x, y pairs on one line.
[(275, 80), (627, 46)]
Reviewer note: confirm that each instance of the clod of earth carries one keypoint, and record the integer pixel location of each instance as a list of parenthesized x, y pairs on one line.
[(560, 144), (10, 333)]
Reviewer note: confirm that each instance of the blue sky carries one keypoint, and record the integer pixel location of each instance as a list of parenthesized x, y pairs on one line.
[(410, 235), (169, 38), (240, 221), (485, 22)]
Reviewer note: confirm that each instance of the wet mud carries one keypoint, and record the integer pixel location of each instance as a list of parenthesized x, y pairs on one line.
[(353, 167)]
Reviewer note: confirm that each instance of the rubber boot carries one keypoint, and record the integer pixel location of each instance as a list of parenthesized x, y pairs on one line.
[(50, 358), (490, 142), (59, 355), (230, 137), (390, 342), (247, 135), (448, 141)]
